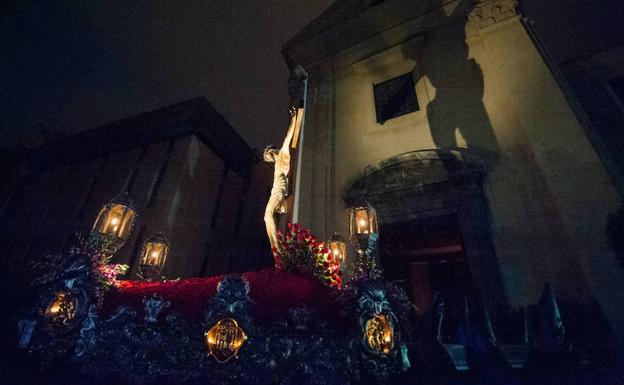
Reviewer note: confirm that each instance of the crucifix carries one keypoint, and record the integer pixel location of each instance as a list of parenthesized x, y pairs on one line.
[(279, 191), (281, 157)]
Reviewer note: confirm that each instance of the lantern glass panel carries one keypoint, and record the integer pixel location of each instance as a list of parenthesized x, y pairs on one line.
[(338, 248), (154, 253), (115, 219), (362, 220), (372, 220)]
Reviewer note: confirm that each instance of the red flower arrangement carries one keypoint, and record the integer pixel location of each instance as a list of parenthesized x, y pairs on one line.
[(303, 252)]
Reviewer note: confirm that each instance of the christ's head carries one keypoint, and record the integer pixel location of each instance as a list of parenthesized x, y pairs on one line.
[(270, 153)]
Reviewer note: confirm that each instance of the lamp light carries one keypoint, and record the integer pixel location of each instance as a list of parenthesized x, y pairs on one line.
[(61, 311), (379, 334), (338, 248), (153, 257), (364, 235), (113, 225), (224, 340), (362, 223)]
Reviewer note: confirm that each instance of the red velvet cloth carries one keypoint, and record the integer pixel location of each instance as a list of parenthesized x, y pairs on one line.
[(273, 292)]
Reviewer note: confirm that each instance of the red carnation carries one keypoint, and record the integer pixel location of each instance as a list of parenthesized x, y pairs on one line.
[(301, 251)]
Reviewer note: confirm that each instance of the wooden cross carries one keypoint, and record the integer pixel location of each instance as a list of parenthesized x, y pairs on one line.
[(297, 127)]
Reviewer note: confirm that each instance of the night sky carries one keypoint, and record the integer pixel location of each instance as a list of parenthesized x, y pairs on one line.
[(73, 65)]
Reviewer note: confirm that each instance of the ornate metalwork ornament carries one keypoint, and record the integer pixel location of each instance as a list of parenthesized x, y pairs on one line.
[(61, 312), (52, 325), (379, 343), (224, 340), (380, 334), (378, 323), (153, 347)]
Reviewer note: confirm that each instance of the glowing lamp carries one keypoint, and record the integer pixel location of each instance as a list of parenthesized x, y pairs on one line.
[(338, 248), (113, 225), (153, 257), (380, 334), (61, 311), (362, 223), (224, 340)]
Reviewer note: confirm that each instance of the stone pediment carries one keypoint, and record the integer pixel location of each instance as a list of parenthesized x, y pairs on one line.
[(405, 185), (414, 170)]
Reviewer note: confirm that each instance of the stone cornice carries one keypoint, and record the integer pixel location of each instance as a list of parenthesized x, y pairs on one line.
[(489, 12)]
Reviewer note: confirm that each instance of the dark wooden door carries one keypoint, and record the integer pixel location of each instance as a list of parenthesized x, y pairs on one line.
[(426, 256)]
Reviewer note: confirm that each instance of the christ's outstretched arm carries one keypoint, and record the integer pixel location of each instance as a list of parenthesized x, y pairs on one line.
[(291, 129)]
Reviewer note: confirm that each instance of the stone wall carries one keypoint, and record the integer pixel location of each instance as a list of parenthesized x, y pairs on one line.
[(483, 88), (180, 188)]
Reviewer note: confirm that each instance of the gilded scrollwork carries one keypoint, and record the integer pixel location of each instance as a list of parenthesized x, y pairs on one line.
[(147, 347), (379, 340), (154, 306), (141, 351), (53, 324)]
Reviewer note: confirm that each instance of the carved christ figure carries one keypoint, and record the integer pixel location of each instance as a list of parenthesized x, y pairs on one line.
[(281, 158)]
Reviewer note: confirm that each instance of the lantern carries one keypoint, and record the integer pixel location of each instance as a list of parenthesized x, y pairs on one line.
[(153, 257), (380, 334), (338, 248), (113, 225), (225, 339), (61, 311), (362, 223)]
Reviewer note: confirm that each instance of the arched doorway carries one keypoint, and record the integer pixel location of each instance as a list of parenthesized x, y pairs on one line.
[(434, 226)]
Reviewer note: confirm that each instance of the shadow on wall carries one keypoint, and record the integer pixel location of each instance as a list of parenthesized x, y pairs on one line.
[(457, 110), (458, 120)]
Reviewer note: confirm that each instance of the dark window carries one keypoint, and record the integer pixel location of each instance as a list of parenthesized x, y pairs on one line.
[(395, 97)]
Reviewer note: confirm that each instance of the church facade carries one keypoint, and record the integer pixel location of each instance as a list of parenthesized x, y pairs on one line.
[(445, 117)]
